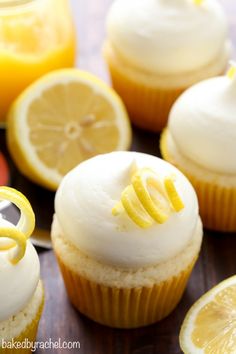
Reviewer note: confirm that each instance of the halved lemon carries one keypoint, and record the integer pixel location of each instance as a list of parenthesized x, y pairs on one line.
[(62, 119), (210, 324)]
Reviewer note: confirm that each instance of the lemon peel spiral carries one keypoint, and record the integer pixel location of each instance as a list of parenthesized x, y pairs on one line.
[(149, 199), (20, 241), (198, 2), (155, 208), (232, 70), (134, 209), (173, 195), (19, 233)]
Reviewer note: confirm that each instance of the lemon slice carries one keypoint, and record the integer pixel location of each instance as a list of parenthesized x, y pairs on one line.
[(62, 119), (210, 325)]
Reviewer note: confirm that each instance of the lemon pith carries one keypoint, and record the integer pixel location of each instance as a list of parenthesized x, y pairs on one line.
[(210, 325), (148, 199), (62, 119), (21, 232)]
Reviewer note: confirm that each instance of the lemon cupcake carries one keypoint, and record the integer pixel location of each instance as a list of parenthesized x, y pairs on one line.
[(157, 48), (200, 140), (126, 233), (21, 291)]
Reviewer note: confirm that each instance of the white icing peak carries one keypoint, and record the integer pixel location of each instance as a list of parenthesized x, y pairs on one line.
[(203, 124), (87, 195), (167, 36), (19, 281)]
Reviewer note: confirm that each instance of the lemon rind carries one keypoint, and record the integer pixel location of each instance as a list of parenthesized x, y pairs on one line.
[(19, 239), (18, 138), (148, 210), (187, 327)]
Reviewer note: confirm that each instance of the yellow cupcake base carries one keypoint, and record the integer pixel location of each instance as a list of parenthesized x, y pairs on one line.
[(148, 96), (29, 334), (148, 107), (217, 203), (124, 307)]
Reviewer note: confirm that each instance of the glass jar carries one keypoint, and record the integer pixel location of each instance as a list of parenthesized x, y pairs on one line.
[(36, 36)]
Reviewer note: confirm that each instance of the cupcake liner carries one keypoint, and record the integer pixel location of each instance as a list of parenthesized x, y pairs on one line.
[(29, 334), (148, 107), (149, 97), (124, 307), (217, 203)]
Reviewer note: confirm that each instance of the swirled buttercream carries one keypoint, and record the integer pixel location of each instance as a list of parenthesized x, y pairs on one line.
[(87, 195), (167, 36), (202, 124), (18, 281)]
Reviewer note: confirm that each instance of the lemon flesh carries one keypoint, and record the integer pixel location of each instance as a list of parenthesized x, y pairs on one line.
[(210, 325), (61, 120)]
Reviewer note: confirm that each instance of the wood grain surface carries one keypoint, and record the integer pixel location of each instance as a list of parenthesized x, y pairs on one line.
[(216, 262)]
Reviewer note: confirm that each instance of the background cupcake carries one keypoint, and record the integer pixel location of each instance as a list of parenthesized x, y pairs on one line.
[(21, 291), (200, 140), (126, 240), (157, 49)]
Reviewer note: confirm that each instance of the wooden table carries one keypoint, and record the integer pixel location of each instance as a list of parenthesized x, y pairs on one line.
[(60, 320)]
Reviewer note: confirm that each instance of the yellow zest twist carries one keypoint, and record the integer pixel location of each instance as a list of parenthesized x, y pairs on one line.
[(232, 70), (149, 199), (198, 2), (172, 193), (19, 241), (21, 232)]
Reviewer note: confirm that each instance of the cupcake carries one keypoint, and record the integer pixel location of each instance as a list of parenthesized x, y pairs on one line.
[(126, 234), (21, 291), (200, 140), (155, 49)]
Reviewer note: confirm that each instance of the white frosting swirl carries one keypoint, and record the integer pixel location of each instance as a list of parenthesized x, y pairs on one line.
[(84, 203), (167, 36), (18, 282), (203, 126)]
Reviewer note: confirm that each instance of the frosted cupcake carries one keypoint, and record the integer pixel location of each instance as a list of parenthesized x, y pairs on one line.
[(155, 49), (201, 141), (21, 291), (126, 233)]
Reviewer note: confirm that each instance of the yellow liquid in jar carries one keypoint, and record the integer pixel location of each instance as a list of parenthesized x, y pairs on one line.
[(34, 39)]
